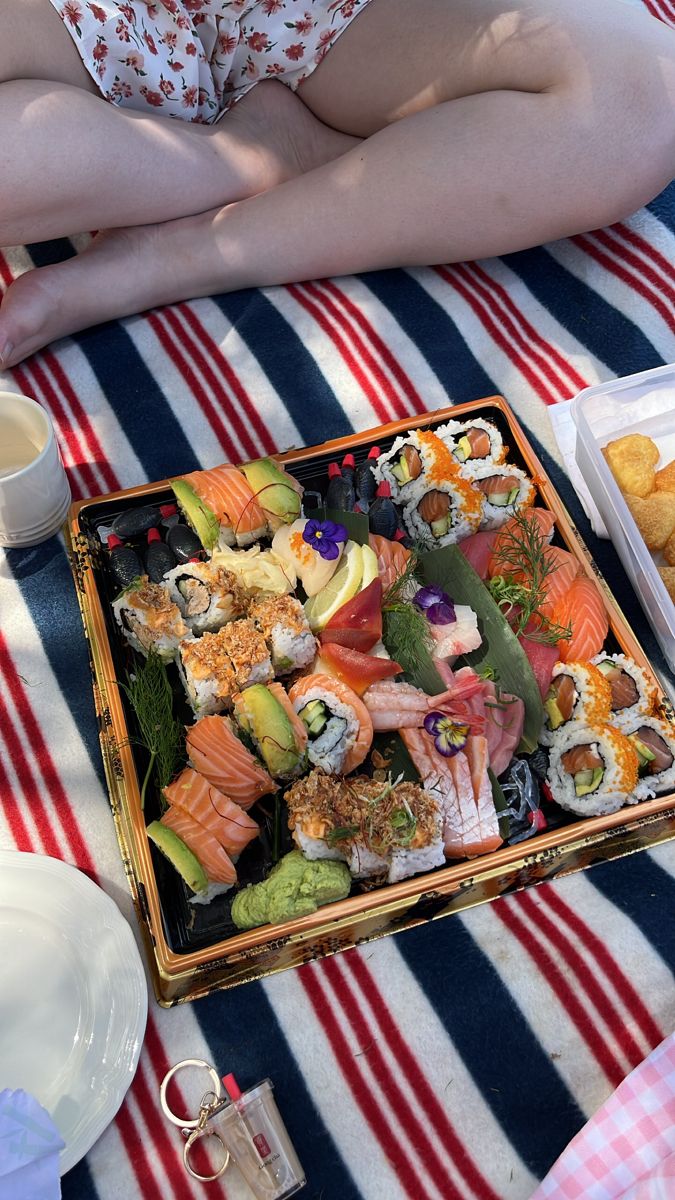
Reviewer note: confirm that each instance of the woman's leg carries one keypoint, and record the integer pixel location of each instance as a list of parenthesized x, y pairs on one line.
[(73, 162), (491, 129)]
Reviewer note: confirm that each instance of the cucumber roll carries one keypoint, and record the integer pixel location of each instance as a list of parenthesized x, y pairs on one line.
[(654, 742), (149, 619), (593, 769), (504, 489), (207, 596), (633, 690), (578, 692), (477, 441)]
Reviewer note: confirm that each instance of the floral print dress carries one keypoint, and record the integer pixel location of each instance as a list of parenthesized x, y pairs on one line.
[(193, 59)]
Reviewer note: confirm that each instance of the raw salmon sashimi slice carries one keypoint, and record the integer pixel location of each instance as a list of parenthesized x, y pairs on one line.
[(225, 820), (392, 558), (229, 496), (463, 835), (215, 861), (583, 609), (216, 752), (335, 687)]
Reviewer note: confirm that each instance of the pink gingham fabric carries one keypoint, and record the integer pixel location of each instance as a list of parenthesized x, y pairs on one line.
[(627, 1150)]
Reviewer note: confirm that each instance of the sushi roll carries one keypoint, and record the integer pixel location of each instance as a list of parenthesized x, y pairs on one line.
[(416, 461), (504, 490), (285, 628), (207, 673), (338, 724), (446, 512), (208, 596), (476, 441), (633, 690), (149, 619), (654, 742), (578, 692), (220, 506), (593, 769), (267, 716)]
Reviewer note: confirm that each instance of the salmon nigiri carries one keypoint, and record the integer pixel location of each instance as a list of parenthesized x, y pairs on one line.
[(217, 753), (225, 820), (230, 497), (583, 609), (215, 861)]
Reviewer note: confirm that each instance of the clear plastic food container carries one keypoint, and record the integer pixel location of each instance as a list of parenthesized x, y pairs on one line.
[(642, 403)]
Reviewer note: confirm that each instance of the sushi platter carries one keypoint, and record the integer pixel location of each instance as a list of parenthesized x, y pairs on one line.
[(357, 687)]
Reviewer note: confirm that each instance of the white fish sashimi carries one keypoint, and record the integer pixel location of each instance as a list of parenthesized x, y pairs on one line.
[(458, 636)]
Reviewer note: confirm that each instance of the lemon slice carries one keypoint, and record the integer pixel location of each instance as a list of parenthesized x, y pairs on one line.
[(345, 583), (370, 568)]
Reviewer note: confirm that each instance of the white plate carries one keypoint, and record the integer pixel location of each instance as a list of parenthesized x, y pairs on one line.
[(73, 996)]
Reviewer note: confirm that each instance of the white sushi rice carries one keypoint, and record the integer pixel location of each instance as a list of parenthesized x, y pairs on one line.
[(465, 519), (583, 695), (661, 781), (222, 606), (494, 515), (411, 862), (610, 794), (325, 751), (292, 651), (204, 696), (643, 681), (162, 632), (316, 848), (384, 473)]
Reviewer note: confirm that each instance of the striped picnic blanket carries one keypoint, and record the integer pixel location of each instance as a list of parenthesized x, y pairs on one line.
[(458, 1059)]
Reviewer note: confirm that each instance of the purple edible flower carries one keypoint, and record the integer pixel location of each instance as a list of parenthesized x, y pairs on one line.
[(437, 606), (449, 736), (324, 537)]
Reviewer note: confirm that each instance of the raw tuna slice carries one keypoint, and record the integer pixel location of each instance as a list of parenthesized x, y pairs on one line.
[(477, 550), (542, 659)]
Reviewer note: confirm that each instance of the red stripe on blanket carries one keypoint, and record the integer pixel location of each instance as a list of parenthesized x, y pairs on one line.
[(10, 807), (343, 348), (81, 416), (648, 251), (220, 363), (604, 960), (438, 1118), (310, 978), (633, 281), (658, 9), (456, 280), (416, 403), (396, 406), (532, 336), (507, 913), (598, 996)]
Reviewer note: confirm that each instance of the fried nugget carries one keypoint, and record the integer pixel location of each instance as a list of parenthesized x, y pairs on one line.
[(664, 480), (668, 576), (654, 516), (632, 461)]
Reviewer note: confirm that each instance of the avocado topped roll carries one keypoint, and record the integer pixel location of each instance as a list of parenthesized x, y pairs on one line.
[(578, 692), (266, 715), (593, 769), (208, 596), (633, 691), (654, 743)]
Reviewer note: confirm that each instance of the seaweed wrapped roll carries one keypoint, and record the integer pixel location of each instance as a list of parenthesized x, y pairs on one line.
[(654, 742), (475, 440), (632, 689), (208, 596), (505, 489), (578, 692), (149, 619), (593, 769)]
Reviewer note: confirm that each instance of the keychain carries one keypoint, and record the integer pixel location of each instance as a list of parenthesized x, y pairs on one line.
[(248, 1127)]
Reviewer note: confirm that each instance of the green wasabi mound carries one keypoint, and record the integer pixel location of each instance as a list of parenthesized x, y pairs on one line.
[(294, 888)]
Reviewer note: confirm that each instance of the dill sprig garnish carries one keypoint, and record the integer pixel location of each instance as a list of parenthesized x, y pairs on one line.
[(520, 591), (405, 628), (149, 693)]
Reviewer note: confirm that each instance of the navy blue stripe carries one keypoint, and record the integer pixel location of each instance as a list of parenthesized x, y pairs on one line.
[(610, 336), (434, 334), (44, 578), (290, 368), (663, 207), (156, 436), (245, 1037), (79, 1183), (506, 1062), (643, 891)]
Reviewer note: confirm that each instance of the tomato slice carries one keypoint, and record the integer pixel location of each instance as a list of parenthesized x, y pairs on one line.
[(355, 669), (358, 624)]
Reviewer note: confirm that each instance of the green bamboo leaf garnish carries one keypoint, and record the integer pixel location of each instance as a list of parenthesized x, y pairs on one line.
[(149, 693), (520, 590)]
